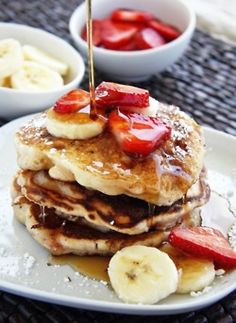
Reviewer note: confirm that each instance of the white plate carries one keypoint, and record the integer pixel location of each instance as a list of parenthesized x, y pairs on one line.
[(23, 263)]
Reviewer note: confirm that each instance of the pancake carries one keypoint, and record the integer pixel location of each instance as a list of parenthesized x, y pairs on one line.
[(99, 164), (120, 213), (63, 236)]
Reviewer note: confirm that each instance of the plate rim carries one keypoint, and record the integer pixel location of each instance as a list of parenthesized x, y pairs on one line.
[(110, 306)]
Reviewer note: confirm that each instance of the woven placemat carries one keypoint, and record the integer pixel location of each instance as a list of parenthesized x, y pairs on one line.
[(202, 83)]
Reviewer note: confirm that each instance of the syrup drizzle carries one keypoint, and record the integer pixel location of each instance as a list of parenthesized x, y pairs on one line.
[(89, 25), (94, 267), (151, 209)]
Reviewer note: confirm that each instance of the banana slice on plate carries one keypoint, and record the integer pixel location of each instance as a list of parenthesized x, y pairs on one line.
[(195, 273), (34, 54), (142, 274), (36, 77), (73, 125), (11, 57)]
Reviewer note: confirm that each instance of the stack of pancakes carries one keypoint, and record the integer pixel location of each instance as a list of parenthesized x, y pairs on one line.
[(88, 197)]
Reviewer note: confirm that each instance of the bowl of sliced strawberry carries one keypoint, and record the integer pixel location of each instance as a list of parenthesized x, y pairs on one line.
[(134, 39)]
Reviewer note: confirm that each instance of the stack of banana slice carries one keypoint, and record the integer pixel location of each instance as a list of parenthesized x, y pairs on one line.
[(27, 68)]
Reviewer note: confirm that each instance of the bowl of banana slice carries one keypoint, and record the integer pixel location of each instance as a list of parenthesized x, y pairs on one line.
[(36, 68)]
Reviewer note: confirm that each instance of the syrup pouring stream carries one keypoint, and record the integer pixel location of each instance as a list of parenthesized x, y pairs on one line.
[(89, 25)]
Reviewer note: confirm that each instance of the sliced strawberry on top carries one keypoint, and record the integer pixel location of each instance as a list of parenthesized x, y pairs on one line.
[(167, 31), (97, 32), (138, 135), (131, 15), (73, 101), (204, 242), (148, 38), (115, 35), (110, 94)]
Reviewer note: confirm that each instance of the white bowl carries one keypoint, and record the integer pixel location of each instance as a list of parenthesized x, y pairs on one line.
[(14, 103), (137, 65)]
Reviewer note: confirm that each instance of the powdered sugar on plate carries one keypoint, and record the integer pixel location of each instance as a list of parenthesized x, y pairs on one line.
[(10, 265), (232, 236)]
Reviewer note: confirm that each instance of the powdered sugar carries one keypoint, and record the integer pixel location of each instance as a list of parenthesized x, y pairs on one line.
[(10, 264), (181, 126), (180, 153), (232, 236), (201, 292), (28, 263), (181, 130)]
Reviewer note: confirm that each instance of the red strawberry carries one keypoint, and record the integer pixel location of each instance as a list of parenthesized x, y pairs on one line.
[(131, 15), (132, 45), (110, 94), (148, 38), (97, 32), (115, 35), (204, 242), (138, 135), (73, 101), (166, 31)]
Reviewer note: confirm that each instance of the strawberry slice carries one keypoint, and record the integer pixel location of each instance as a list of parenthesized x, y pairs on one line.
[(166, 31), (204, 242), (138, 135), (97, 32), (110, 94), (73, 101), (149, 38), (116, 35), (132, 45), (131, 16)]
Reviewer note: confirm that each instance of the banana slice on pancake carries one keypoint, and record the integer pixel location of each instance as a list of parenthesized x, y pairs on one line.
[(81, 126), (73, 125), (150, 111)]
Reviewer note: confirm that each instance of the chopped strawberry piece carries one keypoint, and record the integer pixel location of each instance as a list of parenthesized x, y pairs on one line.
[(131, 15), (115, 35), (138, 135), (204, 242), (166, 31), (73, 101), (110, 94), (121, 25), (97, 32), (148, 38), (132, 45)]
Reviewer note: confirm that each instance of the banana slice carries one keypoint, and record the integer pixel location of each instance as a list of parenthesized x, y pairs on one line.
[(73, 125), (36, 77), (34, 54), (195, 273), (150, 111), (142, 274), (11, 57)]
